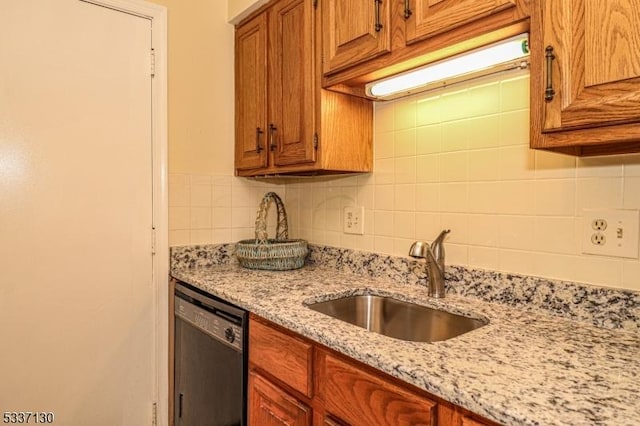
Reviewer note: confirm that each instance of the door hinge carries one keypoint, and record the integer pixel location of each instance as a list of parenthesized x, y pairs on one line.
[(315, 141), (153, 62), (154, 414), (153, 243)]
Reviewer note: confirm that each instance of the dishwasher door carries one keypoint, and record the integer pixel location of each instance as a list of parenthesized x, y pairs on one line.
[(210, 362)]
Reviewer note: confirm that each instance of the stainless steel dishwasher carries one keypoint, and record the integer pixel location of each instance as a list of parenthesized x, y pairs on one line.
[(210, 360)]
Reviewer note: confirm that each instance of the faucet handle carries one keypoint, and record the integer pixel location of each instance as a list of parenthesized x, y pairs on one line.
[(419, 249)]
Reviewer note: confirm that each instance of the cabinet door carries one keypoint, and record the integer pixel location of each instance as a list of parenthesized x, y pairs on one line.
[(595, 66), (426, 18), (271, 406), (354, 31), (251, 94), (292, 81)]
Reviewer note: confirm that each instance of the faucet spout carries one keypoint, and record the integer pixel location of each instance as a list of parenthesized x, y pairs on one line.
[(434, 256), (437, 246)]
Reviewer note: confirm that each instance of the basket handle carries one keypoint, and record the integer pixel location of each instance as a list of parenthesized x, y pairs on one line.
[(282, 231)]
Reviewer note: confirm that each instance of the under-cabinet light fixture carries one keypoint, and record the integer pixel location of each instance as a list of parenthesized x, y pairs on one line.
[(506, 54)]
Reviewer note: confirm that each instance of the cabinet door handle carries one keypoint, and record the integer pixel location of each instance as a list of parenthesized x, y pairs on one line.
[(259, 131), (407, 10), (549, 92), (378, 25), (272, 142)]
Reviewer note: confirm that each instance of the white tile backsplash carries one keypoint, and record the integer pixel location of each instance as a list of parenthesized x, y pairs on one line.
[(405, 143), (554, 197), (456, 158), (631, 193), (209, 209), (405, 169), (385, 147), (595, 193), (631, 165), (428, 139), (404, 197), (201, 194), (484, 257), (460, 158)]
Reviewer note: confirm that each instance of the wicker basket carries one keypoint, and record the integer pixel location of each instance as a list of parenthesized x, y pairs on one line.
[(279, 254)]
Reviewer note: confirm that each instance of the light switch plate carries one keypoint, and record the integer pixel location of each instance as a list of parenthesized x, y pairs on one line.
[(353, 220), (611, 232)]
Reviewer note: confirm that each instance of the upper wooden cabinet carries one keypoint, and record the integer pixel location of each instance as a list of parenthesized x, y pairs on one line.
[(285, 121), (354, 31), (426, 18), (412, 33), (585, 95), (291, 83), (251, 94)]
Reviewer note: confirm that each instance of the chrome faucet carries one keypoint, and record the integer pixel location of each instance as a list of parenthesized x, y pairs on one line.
[(434, 255)]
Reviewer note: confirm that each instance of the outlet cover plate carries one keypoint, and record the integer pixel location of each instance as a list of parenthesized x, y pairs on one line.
[(609, 232), (353, 220)]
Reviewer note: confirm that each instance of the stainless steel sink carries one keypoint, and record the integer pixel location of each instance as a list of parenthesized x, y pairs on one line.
[(395, 318)]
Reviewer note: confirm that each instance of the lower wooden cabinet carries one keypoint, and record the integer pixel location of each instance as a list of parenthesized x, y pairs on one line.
[(330, 421), (271, 406), (356, 396), (294, 381), (287, 358), (468, 421)]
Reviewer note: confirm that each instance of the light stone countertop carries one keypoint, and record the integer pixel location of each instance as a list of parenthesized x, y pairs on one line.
[(525, 367)]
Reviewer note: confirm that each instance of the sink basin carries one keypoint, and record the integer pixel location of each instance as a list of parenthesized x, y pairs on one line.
[(398, 319)]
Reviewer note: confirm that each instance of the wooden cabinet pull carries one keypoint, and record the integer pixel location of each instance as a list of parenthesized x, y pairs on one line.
[(407, 10), (272, 142), (378, 25), (549, 92), (259, 131)]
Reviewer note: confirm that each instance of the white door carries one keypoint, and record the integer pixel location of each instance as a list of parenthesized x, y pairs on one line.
[(76, 295)]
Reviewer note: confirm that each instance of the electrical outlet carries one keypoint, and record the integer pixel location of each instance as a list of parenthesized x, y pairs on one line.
[(599, 224), (353, 220), (598, 239), (611, 232)]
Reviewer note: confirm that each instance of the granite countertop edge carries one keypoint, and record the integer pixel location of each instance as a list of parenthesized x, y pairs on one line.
[(524, 367)]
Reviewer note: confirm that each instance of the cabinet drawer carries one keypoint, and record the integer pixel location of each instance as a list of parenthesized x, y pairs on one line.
[(360, 398), (285, 357)]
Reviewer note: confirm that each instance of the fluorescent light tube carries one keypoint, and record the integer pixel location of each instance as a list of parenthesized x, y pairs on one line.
[(506, 54)]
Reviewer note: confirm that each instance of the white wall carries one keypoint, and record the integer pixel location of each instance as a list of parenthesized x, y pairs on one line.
[(459, 158), (201, 96)]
